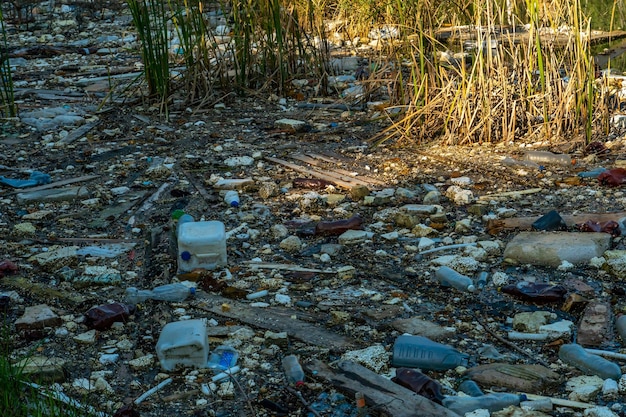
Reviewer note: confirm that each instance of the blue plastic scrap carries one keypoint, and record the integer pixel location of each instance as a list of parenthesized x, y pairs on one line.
[(36, 178)]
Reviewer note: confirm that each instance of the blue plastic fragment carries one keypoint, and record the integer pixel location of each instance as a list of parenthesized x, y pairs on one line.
[(36, 178)]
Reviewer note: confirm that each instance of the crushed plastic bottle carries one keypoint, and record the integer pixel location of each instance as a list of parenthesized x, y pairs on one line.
[(419, 384), (471, 388), (448, 276), (536, 292), (223, 357), (293, 370), (492, 402), (176, 292), (575, 355), (545, 157), (421, 352), (103, 317)]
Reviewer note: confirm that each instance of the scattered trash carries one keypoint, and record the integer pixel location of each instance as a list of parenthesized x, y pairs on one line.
[(449, 277), (103, 317), (613, 177), (611, 227), (293, 370), (549, 222), (183, 343), (223, 358), (492, 402), (536, 292), (36, 178), (200, 244), (7, 267), (576, 356), (176, 292), (545, 157), (419, 383), (420, 352), (338, 227)]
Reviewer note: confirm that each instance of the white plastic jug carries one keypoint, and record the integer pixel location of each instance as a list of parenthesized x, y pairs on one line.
[(201, 245), (183, 343)]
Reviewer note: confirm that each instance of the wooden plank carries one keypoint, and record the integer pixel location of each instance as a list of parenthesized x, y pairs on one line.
[(380, 393), (315, 158), (337, 181), (276, 319), (79, 132), (287, 267), (54, 184), (338, 173), (525, 223)]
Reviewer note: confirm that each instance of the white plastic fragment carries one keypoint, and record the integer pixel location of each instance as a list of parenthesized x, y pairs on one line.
[(151, 391)]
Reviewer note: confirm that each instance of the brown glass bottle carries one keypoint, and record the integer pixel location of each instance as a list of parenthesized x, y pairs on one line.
[(102, 317), (337, 227)]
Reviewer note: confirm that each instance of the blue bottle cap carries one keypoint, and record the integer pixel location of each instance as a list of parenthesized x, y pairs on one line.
[(234, 204), (185, 256), (192, 290)]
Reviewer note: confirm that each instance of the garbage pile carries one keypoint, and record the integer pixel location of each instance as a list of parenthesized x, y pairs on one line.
[(261, 259)]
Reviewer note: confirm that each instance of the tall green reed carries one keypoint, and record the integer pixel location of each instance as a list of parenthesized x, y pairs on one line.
[(150, 18), (8, 107)]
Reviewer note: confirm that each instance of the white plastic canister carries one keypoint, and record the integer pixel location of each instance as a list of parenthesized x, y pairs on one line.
[(201, 245), (183, 343)]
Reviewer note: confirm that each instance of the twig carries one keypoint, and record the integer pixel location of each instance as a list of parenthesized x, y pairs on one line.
[(303, 401), (509, 344)]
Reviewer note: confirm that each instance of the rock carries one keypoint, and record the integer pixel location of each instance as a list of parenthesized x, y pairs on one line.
[(432, 197), (459, 196), (550, 249), (358, 192), (420, 327), (279, 231), (86, 338), (333, 200), (478, 210), (55, 256), (42, 368), (238, 161), (419, 209), (610, 390), (584, 388), (291, 125), (599, 412), (596, 324), (26, 228), (227, 390), (462, 264), (338, 317), (616, 262), (375, 357), (291, 244), (421, 230), (142, 363), (513, 411), (353, 237), (560, 330), (463, 226), (268, 189), (37, 317), (425, 243), (331, 249), (531, 322), (276, 338), (525, 378)]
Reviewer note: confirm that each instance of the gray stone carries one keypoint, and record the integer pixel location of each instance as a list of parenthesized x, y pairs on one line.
[(616, 261), (550, 249), (374, 357), (37, 317), (432, 197), (531, 322), (276, 338), (268, 189), (584, 388), (291, 244), (291, 125), (57, 194), (599, 412), (560, 330), (353, 237), (419, 327)]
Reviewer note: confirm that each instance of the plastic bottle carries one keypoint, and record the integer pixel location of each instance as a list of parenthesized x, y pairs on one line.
[(421, 352), (232, 198), (169, 292), (492, 402), (481, 281), (471, 388), (575, 355), (452, 278), (620, 326), (293, 370), (545, 157), (223, 357)]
